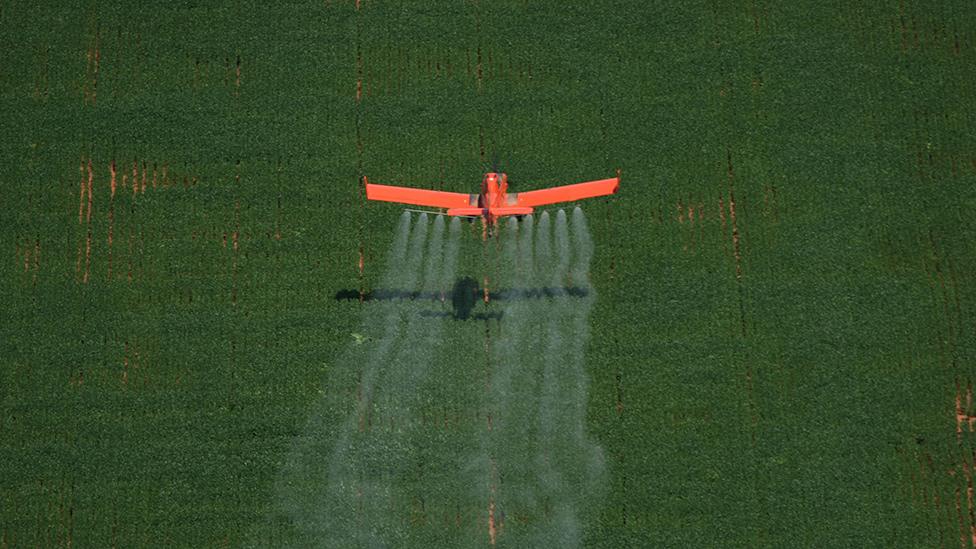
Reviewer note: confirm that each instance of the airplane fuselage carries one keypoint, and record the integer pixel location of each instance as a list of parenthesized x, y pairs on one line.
[(493, 201), (493, 189)]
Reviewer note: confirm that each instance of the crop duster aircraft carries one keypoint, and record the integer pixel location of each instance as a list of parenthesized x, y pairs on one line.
[(494, 201)]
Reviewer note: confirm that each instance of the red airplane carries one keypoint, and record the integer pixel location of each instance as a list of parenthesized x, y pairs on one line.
[(494, 201)]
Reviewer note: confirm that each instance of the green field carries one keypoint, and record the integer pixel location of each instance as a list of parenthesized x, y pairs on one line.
[(776, 349)]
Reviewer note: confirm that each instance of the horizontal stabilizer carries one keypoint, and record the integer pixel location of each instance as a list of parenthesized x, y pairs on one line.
[(466, 212), (511, 210)]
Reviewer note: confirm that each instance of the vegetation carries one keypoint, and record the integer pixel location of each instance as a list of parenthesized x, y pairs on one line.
[(781, 348)]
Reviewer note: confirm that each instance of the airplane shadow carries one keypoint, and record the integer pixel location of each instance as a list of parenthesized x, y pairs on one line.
[(464, 297)]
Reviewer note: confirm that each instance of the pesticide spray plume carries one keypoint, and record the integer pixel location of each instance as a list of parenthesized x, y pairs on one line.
[(543, 250), (561, 250), (377, 455), (583, 243), (432, 272)]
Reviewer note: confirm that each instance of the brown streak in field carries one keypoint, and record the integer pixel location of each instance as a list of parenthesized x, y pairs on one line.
[(111, 215), (81, 191), (154, 175), (143, 183), (91, 177), (112, 172), (359, 74), (493, 528), (237, 76), (491, 520), (681, 211), (135, 177), (88, 242), (732, 217)]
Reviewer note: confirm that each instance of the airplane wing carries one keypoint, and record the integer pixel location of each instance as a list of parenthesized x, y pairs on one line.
[(418, 197), (566, 193)]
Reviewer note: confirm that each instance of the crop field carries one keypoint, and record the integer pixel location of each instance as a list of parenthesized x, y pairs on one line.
[(767, 338)]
